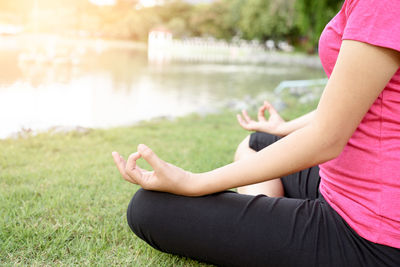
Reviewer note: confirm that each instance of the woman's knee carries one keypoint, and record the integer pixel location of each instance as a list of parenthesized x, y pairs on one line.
[(139, 211), (243, 149)]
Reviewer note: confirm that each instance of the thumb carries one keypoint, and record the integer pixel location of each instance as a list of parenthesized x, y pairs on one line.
[(149, 156)]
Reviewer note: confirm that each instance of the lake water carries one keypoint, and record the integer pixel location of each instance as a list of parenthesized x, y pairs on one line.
[(113, 87)]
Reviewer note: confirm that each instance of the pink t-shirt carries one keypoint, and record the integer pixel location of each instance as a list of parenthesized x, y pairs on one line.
[(363, 183)]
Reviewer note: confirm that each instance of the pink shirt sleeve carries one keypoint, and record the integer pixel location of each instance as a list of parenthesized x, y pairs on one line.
[(376, 22)]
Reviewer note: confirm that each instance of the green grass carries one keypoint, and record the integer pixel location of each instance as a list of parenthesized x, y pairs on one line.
[(62, 201)]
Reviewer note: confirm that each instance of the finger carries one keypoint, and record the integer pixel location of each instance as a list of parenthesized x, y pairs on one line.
[(246, 116), (270, 108), (131, 168), (121, 165), (242, 122), (118, 160), (141, 169), (261, 113), (149, 156), (131, 163)]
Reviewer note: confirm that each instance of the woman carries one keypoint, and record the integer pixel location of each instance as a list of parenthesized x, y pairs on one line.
[(326, 194)]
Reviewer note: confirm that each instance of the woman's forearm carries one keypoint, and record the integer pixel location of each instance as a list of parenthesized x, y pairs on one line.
[(293, 125), (286, 156)]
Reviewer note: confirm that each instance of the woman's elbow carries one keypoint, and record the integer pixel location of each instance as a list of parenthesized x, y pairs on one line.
[(331, 145), (335, 150)]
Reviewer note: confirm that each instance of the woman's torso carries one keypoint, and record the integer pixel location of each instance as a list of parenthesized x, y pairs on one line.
[(363, 183)]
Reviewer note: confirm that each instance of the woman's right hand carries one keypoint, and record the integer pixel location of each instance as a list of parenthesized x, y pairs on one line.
[(164, 177), (272, 125)]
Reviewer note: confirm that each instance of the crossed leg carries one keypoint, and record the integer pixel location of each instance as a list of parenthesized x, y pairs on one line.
[(230, 229), (272, 188)]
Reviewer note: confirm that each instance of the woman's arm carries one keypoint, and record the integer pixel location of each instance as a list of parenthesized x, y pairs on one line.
[(360, 74)]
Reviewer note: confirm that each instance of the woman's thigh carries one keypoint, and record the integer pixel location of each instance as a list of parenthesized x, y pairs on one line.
[(231, 229), (303, 184)]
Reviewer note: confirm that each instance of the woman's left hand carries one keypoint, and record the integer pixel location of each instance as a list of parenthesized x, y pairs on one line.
[(164, 177), (273, 125)]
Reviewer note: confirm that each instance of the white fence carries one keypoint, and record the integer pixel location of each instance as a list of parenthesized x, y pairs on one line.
[(161, 50)]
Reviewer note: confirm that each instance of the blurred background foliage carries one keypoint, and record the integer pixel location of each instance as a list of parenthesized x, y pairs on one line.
[(299, 22)]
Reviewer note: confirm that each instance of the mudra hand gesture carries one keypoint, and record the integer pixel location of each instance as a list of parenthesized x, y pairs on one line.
[(164, 177), (271, 125)]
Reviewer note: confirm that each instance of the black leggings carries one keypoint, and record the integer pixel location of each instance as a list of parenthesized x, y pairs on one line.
[(230, 229)]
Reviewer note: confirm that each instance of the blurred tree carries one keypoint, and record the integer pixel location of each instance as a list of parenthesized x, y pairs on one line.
[(235, 14), (140, 22), (173, 9), (266, 19), (213, 20), (174, 15), (178, 27), (312, 16), (251, 19)]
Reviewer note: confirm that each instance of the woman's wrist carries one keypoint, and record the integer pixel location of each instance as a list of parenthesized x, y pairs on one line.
[(201, 184), (284, 129), (195, 185), (278, 130)]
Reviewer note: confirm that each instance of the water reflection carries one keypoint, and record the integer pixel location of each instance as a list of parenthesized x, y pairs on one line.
[(118, 86)]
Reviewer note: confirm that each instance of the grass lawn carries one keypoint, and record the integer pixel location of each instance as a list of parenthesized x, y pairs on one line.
[(62, 201)]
